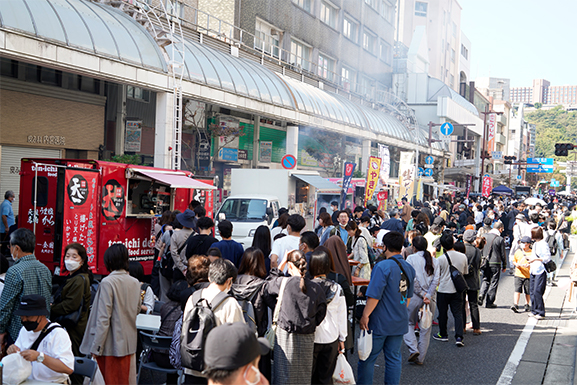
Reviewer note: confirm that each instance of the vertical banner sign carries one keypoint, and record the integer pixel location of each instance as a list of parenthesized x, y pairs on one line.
[(385, 164), (406, 174), (492, 131), (487, 185), (133, 136), (372, 177), (79, 214), (420, 190), (468, 185), (347, 178), (382, 199)]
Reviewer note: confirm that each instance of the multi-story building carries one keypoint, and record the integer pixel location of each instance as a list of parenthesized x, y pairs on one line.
[(442, 22), (543, 92), (495, 88)]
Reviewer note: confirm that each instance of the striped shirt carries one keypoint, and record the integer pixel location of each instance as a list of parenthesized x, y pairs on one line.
[(26, 276)]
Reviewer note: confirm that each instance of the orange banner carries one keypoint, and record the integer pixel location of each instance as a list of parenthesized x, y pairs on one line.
[(492, 131), (372, 177)]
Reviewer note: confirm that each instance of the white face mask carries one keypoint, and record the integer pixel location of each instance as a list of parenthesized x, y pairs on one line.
[(71, 265), (257, 376)]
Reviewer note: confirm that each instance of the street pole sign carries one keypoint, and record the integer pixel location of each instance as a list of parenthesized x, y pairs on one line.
[(420, 171), (428, 172), (429, 160), (447, 129), (540, 165)]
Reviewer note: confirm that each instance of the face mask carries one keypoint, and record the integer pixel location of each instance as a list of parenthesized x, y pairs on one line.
[(30, 325), (257, 376), (71, 265)]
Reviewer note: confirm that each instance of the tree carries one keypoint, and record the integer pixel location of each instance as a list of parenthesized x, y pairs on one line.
[(327, 148), (538, 105), (553, 126)]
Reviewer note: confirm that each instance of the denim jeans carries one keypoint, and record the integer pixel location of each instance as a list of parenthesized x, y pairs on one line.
[(537, 286), (391, 346)]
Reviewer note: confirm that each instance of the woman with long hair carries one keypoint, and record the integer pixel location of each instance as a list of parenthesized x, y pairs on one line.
[(338, 251), (73, 295), (331, 334), (360, 251), (327, 225), (263, 240), (424, 292), (538, 280), (303, 307), (247, 287)]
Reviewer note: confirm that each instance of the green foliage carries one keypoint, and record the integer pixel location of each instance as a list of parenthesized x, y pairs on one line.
[(553, 126), (126, 159), (538, 105), (358, 173)]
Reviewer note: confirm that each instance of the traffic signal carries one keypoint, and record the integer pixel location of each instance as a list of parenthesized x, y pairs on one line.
[(562, 149), (509, 159)]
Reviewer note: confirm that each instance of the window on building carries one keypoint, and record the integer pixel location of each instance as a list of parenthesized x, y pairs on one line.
[(452, 55), (387, 11), (175, 8), (421, 9), (8, 67), (366, 86), (454, 29), (385, 51), (304, 4), (300, 54), (326, 67), (369, 41), (372, 3), (329, 14), (464, 52), (349, 77), (267, 38), (452, 82), (351, 29), (138, 93)]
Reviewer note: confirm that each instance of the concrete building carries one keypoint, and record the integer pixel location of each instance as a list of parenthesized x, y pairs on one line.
[(442, 23), (543, 92), (495, 88)]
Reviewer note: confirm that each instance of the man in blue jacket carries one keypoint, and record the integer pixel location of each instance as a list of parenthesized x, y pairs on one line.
[(394, 223), (385, 314)]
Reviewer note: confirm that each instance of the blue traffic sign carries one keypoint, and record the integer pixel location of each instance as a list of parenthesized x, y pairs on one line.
[(543, 161), (519, 177), (288, 161), (428, 172), (540, 169), (420, 172), (447, 129), (429, 159)]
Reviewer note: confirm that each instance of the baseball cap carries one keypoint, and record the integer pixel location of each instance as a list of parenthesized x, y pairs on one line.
[(469, 235), (233, 345), (439, 221), (525, 239), (32, 304), (520, 216)]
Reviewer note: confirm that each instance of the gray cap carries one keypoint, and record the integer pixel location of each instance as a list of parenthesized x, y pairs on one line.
[(469, 236), (520, 216)]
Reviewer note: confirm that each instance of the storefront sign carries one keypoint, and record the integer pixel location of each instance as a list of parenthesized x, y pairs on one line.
[(242, 155), (265, 152), (487, 185), (203, 150), (385, 163), (347, 178), (230, 154), (468, 186), (492, 122), (112, 200), (133, 136), (372, 177), (79, 214), (46, 139)]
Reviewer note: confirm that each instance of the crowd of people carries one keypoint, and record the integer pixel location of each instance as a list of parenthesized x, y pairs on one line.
[(409, 257)]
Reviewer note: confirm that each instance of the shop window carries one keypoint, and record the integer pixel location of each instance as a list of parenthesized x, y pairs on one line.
[(147, 198), (42, 198)]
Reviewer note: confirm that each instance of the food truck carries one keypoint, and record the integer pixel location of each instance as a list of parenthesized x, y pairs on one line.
[(98, 203)]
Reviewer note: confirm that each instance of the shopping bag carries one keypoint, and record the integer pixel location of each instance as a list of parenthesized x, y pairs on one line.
[(16, 369), (365, 344), (343, 372), (425, 317)]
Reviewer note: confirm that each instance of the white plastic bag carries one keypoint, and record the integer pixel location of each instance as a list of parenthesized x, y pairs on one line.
[(16, 369), (343, 372), (365, 344), (425, 317)]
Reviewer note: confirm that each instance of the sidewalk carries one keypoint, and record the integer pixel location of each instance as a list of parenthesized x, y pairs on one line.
[(550, 354)]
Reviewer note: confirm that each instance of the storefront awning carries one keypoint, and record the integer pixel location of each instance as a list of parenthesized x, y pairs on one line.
[(176, 180), (318, 182)]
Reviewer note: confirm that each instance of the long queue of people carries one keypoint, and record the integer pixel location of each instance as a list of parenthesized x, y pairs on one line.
[(409, 255)]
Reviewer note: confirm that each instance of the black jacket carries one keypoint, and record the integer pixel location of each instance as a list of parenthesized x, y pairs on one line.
[(474, 260), (248, 287), (199, 244), (498, 256)]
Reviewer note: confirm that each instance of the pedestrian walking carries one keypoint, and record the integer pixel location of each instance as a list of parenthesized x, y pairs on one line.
[(538, 281), (522, 274), (472, 278), (494, 253), (360, 251), (424, 293)]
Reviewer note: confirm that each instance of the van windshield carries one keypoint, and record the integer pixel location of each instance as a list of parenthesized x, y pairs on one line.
[(244, 209)]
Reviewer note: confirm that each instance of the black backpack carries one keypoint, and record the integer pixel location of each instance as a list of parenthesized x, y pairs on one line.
[(166, 261), (403, 283), (196, 324), (552, 242), (456, 276)]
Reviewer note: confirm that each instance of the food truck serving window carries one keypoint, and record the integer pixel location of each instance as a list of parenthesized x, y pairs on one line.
[(147, 198)]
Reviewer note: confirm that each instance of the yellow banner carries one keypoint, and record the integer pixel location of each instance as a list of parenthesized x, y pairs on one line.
[(372, 177)]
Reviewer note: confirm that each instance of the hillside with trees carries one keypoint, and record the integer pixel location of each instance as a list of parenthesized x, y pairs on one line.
[(553, 126)]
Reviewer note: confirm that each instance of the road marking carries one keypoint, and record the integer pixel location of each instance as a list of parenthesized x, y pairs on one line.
[(515, 358)]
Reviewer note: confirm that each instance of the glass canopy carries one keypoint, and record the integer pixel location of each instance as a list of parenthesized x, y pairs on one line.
[(85, 25)]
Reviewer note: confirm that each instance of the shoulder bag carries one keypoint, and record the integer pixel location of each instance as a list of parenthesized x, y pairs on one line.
[(403, 283), (270, 334), (70, 320), (457, 277)]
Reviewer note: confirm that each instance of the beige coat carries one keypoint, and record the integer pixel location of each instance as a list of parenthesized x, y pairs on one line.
[(111, 329)]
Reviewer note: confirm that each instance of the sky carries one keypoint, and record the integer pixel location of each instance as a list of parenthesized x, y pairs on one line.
[(522, 40)]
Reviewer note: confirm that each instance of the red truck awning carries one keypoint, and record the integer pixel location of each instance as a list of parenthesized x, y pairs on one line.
[(176, 180)]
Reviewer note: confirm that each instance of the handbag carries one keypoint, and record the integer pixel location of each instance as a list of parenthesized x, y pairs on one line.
[(457, 277), (270, 334), (550, 266), (425, 317), (71, 319)]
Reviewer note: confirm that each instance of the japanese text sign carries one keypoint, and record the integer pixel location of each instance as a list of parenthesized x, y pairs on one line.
[(372, 177)]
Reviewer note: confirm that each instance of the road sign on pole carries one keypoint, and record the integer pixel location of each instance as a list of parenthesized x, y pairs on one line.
[(428, 172), (519, 177), (429, 160), (420, 172), (447, 129)]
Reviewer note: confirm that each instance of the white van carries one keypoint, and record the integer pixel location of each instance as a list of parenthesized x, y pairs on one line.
[(246, 213)]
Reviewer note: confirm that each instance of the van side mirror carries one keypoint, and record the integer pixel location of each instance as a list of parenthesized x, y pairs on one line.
[(221, 216), (269, 211)]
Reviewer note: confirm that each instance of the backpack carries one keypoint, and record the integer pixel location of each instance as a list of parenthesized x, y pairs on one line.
[(370, 251), (552, 242), (247, 307), (166, 261), (456, 276), (196, 324), (403, 283)]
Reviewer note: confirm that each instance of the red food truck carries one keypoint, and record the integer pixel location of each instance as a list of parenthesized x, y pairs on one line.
[(97, 204)]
